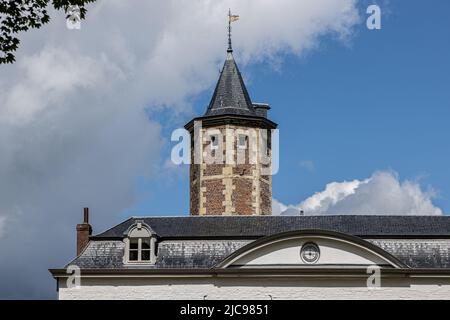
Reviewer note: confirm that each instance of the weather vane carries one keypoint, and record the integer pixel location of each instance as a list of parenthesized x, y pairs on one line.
[(231, 18)]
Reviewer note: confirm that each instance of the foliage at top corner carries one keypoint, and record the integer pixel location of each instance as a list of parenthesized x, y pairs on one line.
[(18, 16)]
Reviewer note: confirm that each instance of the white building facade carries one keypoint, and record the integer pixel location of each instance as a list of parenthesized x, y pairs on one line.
[(265, 257)]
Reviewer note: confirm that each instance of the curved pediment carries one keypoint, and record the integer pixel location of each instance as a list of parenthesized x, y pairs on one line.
[(307, 248)]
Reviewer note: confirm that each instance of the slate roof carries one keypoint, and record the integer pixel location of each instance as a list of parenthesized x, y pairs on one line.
[(418, 253), (203, 242), (230, 96), (240, 227), (198, 254), (108, 254)]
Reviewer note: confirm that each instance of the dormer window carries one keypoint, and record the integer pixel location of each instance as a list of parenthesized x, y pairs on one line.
[(140, 244), (139, 249)]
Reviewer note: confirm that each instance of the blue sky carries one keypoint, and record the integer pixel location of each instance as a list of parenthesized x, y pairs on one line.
[(378, 101)]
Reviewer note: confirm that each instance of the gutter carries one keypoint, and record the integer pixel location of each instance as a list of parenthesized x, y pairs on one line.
[(255, 272)]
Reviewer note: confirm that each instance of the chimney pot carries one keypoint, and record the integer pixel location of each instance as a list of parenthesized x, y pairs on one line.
[(261, 109)]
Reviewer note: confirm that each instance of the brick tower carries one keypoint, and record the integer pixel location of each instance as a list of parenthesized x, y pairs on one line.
[(231, 151)]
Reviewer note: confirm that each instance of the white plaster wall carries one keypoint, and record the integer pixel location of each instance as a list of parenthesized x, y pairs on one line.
[(255, 288)]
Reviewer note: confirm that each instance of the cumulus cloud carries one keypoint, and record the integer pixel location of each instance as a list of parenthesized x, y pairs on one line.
[(77, 109), (381, 194), (278, 207)]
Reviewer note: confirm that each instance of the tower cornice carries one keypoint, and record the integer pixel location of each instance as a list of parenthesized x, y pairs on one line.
[(213, 121)]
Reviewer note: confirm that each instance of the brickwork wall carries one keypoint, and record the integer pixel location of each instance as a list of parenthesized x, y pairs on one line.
[(229, 189), (242, 196), (212, 191), (266, 196)]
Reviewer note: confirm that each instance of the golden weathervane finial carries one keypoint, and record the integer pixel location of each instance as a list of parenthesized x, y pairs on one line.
[(231, 18)]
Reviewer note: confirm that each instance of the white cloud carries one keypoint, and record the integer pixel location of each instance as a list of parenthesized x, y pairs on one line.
[(278, 207), (381, 194), (334, 193), (74, 130)]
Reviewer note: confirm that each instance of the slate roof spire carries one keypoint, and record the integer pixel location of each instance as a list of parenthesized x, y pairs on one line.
[(230, 96)]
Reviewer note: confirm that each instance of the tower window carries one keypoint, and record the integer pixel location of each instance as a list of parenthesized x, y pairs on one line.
[(214, 141), (242, 141)]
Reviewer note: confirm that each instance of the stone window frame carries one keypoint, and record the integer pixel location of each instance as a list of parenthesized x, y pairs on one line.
[(239, 145), (140, 231), (214, 138)]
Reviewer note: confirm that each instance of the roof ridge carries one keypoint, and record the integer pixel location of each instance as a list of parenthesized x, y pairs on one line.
[(285, 216), (248, 226)]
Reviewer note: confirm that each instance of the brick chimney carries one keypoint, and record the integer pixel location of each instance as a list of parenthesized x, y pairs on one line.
[(84, 230)]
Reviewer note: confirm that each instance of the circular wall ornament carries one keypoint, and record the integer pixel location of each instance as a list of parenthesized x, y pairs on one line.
[(310, 253)]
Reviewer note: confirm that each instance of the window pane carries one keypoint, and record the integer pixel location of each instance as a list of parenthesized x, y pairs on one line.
[(134, 243), (145, 243), (214, 140), (145, 255), (241, 140), (133, 255)]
